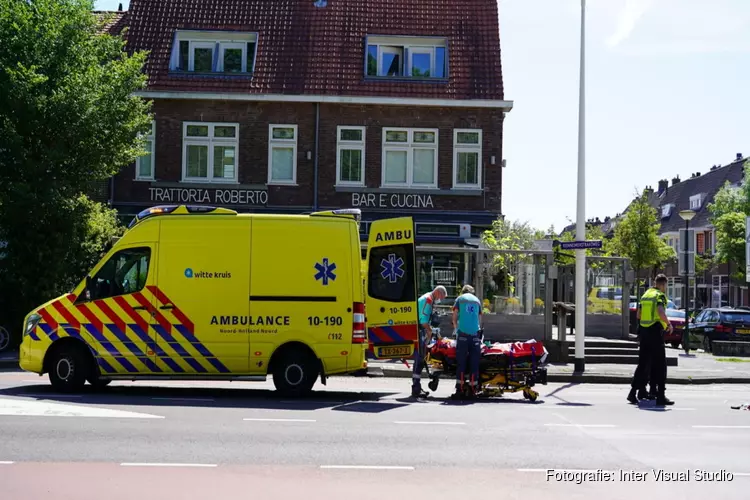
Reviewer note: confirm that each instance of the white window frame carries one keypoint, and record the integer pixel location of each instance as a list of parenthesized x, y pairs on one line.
[(284, 143), (150, 137), (218, 42), (211, 141), (696, 201), (200, 45), (467, 148), (342, 145), (409, 146), (223, 46), (415, 49), (392, 49), (408, 47)]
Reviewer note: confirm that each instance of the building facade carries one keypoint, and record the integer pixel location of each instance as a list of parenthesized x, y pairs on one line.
[(711, 286), (395, 108)]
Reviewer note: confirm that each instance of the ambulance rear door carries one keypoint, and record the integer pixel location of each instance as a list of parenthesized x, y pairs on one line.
[(391, 307)]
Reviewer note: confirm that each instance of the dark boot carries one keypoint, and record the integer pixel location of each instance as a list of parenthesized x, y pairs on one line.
[(661, 400), (642, 394), (631, 397)]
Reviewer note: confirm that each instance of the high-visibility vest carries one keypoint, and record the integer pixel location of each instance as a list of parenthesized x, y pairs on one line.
[(650, 307)]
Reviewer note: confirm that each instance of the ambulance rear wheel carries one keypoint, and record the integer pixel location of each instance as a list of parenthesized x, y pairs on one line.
[(295, 373), (68, 369)]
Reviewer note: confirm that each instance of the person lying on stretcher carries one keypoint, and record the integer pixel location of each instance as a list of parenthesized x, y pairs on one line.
[(467, 323)]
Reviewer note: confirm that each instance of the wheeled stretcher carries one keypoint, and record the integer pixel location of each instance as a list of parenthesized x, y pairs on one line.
[(512, 367)]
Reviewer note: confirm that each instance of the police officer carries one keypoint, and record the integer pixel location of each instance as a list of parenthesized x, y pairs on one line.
[(467, 314), (424, 308), (652, 361)]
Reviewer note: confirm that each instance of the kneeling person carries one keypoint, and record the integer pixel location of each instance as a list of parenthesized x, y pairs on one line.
[(467, 314)]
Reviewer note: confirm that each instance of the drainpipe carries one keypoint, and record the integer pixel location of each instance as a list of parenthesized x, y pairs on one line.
[(315, 155)]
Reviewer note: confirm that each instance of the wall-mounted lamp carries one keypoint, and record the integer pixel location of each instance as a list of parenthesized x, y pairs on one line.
[(505, 164), (309, 155), (492, 160)]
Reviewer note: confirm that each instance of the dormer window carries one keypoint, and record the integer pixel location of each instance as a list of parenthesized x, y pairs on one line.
[(696, 201), (666, 210), (406, 57), (226, 52)]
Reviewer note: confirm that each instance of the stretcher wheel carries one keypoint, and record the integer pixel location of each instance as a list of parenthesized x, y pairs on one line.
[(433, 385)]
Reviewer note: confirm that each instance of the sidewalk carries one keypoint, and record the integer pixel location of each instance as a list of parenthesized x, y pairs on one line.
[(698, 368)]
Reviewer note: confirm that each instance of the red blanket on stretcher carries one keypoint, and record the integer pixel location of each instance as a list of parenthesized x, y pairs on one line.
[(447, 348)]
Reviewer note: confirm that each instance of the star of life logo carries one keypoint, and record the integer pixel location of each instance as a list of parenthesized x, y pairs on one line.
[(392, 268), (325, 271)]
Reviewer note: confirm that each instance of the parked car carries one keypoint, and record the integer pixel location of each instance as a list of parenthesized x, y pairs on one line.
[(676, 318), (719, 324)]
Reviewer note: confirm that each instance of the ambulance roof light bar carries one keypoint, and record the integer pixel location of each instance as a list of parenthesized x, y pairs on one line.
[(179, 210), (354, 213)]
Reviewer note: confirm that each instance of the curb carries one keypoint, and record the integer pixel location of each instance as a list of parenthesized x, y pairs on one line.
[(599, 379)]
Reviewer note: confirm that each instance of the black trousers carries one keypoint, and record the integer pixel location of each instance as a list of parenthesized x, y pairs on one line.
[(652, 362)]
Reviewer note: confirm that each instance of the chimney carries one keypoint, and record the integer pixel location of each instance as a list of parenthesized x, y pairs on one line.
[(119, 8), (663, 185), (739, 157), (675, 180)]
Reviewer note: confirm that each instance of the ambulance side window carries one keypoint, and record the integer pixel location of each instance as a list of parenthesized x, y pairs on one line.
[(125, 272), (391, 273)]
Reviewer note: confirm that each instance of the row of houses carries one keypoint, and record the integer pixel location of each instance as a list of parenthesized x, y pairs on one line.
[(396, 108), (711, 286)]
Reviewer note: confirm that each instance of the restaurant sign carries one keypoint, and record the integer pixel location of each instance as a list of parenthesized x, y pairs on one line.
[(250, 197), (384, 200)]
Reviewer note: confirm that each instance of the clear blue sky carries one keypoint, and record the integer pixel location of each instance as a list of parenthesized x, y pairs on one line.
[(667, 94)]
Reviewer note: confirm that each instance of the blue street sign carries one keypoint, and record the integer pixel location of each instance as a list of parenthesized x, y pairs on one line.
[(576, 245)]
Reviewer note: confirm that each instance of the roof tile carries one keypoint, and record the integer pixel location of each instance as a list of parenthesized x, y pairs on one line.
[(303, 49)]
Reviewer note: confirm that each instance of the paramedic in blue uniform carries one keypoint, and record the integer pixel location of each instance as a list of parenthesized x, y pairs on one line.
[(467, 321), (424, 308)]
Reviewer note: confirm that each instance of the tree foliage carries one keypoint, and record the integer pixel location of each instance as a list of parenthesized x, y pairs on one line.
[(637, 237), (68, 117), (514, 236), (729, 210)]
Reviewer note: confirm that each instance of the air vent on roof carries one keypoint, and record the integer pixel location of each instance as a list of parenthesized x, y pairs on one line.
[(739, 156)]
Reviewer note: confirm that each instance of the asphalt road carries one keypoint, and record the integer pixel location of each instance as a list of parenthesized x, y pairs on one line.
[(363, 438)]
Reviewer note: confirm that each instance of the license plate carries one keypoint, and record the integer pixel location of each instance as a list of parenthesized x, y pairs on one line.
[(396, 351), (744, 332)]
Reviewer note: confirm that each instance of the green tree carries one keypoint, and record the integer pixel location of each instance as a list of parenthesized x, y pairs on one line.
[(510, 235), (637, 237), (729, 210), (68, 118)]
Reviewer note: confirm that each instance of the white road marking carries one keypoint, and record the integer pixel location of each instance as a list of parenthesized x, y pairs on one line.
[(405, 422), (582, 425), (6, 462), (368, 467), (721, 427), (183, 399), (278, 420), (133, 464), (27, 408)]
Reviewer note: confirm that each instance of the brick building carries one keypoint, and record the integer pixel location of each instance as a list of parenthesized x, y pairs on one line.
[(289, 106)]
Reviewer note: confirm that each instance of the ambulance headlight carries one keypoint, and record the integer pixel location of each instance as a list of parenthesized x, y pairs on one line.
[(31, 323)]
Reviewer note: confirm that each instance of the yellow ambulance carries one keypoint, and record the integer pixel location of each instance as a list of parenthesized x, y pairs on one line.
[(207, 293)]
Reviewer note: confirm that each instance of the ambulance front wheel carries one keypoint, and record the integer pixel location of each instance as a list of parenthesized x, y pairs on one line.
[(68, 368), (294, 374)]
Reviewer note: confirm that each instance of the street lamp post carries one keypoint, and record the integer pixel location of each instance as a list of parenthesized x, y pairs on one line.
[(581, 206), (687, 216)]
